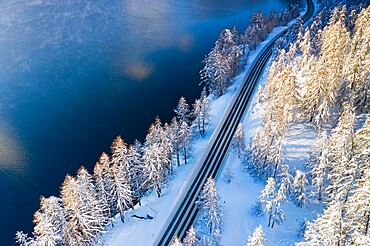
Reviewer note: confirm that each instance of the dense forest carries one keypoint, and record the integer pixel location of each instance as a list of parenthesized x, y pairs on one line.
[(321, 79)]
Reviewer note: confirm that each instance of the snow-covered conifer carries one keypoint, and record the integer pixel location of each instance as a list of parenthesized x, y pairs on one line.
[(196, 115), (191, 238), (49, 222), (211, 210), (176, 242), (134, 157), (120, 177), (325, 230), (206, 116), (174, 135), (300, 188), (103, 182), (239, 140), (182, 111), (258, 238), (185, 143), (23, 239)]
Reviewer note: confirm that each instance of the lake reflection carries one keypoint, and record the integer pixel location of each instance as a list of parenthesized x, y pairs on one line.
[(74, 74)]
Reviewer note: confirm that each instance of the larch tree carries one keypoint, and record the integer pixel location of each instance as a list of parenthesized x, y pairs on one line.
[(103, 182), (258, 238), (206, 116), (134, 157), (209, 200), (342, 169), (49, 222), (267, 197), (319, 165), (300, 189), (176, 242), (120, 177), (23, 239), (357, 215), (174, 136), (84, 212), (182, 111), (325, 230), (191, 238), (184, 139), (239, 140), (196, 115)]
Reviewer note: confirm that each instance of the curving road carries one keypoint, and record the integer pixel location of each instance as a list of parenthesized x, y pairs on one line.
[(212, 157)]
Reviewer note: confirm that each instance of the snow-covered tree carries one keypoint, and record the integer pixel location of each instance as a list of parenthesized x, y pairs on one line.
[(182, 111), (342, 170), (120, 177), (196, 115), (209, 200), (173, 132), (184, 139), (300, 188), (23, 239), (319, 164), (176, 242), (49, 222), (134, 157), (286, 178), (258, 238), (325, 230), (357, 215), (191, 238), (85, 213), (267, 196), (206, 116), (103, 182), (239, 140)]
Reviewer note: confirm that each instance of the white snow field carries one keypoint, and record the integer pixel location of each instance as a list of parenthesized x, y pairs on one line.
[(237, 197)]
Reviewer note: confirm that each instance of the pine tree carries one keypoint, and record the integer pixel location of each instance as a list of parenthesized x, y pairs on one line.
[(184, 139), (120, 177), (300, 188), (209, 201), (286, 178), (182, 111), (85, 214), (258, 238), (319, 164), (357, 215), (174, 136), (134, 157), (342, 170), (49, 222), (176, 242), (196, 115), (325, 230), (239, 140), (206, 116), (267, 196), (191, 238), (22, 239), (103, 182)]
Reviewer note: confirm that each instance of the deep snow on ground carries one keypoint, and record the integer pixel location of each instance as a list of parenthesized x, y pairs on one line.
[(237, 197)]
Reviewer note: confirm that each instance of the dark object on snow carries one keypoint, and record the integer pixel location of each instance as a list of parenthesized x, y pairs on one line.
[(147, 217)]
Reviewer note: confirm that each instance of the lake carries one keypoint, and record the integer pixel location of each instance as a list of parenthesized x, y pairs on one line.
[(76, 73)]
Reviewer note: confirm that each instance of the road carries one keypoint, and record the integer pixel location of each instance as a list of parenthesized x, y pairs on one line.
[(213, 156)]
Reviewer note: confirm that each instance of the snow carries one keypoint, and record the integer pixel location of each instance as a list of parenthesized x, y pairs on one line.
[(237, 197)]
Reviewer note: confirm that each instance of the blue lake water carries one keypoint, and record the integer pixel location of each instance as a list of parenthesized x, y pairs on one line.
[(74, 74)]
